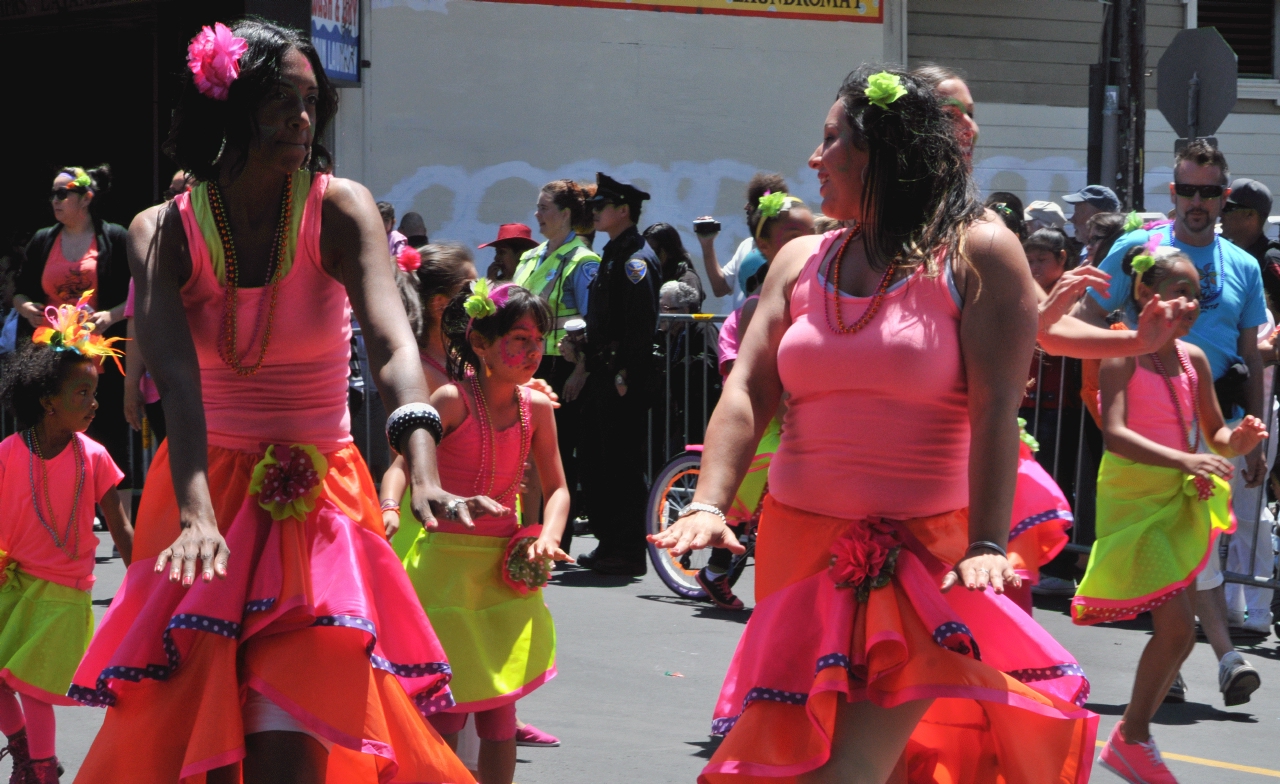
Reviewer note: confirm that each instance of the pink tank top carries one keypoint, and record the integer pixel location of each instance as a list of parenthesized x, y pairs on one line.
[(299, 395), (877, 423), (1149, 411), (463, 472)]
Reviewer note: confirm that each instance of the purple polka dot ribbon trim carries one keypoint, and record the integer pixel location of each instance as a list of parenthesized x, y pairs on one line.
[(955, 636), (832, 660), (1052, 672), (259, 605), (410, 670), (350, 621), (1044, 517), (433, 701), (723, 725)]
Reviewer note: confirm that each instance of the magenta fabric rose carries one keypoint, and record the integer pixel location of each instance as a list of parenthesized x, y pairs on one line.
[(864, 556), (214, 59)]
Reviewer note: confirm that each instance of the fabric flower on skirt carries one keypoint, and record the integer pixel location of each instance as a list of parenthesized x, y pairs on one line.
[(287, 480), (864, 557)]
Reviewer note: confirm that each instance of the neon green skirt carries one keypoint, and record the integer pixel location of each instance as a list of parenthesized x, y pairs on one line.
[(45, 629), (1154, 537), (501, 645), (751, 492)]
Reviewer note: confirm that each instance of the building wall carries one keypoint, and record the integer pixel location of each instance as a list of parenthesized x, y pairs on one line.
[(469, 107)]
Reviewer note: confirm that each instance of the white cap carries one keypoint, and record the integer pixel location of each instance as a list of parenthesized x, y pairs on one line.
[(1043, 214)]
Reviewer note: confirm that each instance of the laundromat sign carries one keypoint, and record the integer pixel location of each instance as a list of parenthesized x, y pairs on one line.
[(824, 10), (335, 32)]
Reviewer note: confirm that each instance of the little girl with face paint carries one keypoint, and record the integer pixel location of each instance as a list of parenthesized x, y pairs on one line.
[(51, 476), (1162, 500), (480, 583)]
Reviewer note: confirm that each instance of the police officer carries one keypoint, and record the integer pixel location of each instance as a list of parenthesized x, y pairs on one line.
[(621, 324), (560, 271)]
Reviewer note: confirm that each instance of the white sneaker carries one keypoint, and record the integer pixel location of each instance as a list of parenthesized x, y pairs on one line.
[(1237, 679), (1054, 586)]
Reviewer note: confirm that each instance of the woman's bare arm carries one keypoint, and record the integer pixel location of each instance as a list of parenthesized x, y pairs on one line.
[(747, 404), (997, 338), (161, 264)]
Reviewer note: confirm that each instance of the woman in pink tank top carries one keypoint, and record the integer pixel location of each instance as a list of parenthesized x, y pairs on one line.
[(902, 346), (297, 651)]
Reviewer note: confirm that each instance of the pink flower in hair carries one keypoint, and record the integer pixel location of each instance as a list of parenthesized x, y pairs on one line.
[(1153, 243), (214, 59)]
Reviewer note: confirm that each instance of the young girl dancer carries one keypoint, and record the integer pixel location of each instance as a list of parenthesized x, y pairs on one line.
[(1162, 501), (51, 475), (480, 585)]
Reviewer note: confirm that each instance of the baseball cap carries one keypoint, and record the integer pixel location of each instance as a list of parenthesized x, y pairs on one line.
[(1249, 194), (1099, 196), (1044, 214)]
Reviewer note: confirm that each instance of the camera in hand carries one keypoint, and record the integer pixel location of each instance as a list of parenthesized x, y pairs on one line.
[(706, 226)]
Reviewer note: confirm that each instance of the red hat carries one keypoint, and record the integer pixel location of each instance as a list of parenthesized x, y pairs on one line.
[(516, 234)]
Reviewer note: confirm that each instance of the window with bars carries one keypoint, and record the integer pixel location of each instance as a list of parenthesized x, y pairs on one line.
[(1249, 26)]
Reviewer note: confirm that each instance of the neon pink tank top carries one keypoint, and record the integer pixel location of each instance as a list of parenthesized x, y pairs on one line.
[(1149, 411), (878, 421), (299, 395), (461, 472)]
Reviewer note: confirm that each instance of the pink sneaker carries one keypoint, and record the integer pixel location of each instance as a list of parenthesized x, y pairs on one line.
[(1136, 763), (529, 735)]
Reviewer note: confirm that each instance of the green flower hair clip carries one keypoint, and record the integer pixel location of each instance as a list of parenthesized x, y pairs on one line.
[(480, 305), (884, 88), (1132, 222), (771, 204), (82, 179), (1145, 261), (1026, 437)]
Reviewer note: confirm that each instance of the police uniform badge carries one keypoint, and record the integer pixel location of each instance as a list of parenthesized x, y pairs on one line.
[(636, 270)]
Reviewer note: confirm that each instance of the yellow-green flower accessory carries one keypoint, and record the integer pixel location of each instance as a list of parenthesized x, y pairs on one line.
[(1132, 222), (287, 482), (1026, 437), (1145, 261), (884, 88), (480, 304), (81, 180), (772, 205)]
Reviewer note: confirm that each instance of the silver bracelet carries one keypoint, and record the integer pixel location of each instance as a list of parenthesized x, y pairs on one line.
[(701, 507)]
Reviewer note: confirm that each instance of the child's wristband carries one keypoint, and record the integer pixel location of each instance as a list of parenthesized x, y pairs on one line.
[(391, 506)]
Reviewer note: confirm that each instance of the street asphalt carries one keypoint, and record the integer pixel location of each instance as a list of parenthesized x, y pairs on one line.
[(640, 669)]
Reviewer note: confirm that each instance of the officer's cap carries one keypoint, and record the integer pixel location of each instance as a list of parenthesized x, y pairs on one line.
[(609, 190)]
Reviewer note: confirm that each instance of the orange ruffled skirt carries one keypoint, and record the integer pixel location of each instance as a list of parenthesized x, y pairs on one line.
[(316, 615), (1007, 698)]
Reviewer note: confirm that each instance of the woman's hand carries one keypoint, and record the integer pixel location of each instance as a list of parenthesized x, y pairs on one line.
[(541, 385), (391, 522), (574, 384), (101, 320), (695, 532), (1068, 290), (546, 547), (133, 409), (1247, 435), (33, 312), (1204, 466), (200, 540), (980, 570), (432, 505)]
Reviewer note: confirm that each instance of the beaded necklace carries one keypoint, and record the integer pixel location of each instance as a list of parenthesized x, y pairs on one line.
[(833, 275), (228, 343), (1204, 487), (72, 535), (488, 447)]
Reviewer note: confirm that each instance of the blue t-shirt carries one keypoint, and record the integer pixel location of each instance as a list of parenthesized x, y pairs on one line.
[(1230, 286)]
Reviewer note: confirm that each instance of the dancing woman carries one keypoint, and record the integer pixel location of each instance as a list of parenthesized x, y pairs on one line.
[(902, 345), (308, 658)]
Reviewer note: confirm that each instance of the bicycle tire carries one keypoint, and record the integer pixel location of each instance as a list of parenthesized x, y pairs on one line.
[(672, 490)]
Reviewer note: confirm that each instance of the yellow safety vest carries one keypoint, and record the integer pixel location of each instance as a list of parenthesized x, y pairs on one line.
[(546, 278)]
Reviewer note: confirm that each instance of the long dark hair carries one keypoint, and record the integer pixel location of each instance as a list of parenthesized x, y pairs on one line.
[(917, 184), (460, 357), (665, 241), (200, 124)]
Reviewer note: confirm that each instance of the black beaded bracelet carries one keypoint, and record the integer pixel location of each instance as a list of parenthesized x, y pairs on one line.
[(410, 417), (986, 545)]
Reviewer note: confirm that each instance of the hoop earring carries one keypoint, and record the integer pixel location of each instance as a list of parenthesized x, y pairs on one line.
[(221, 149)]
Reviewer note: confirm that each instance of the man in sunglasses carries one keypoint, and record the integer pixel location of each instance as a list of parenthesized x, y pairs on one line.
[(1232, 308), (1244, 221)]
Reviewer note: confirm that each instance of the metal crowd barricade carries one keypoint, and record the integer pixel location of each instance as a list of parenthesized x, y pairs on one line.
[(696, 385)]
